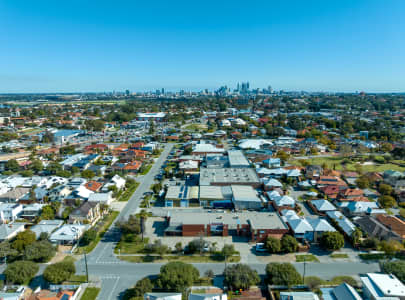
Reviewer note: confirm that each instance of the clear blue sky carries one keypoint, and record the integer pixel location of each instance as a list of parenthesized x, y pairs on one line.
[(100, 45)]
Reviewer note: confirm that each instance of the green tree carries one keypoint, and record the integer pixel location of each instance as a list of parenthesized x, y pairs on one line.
[(240, 276), (395, 267), (12, 165), (273, 245), (41, 251), (23, 239), (89, 236), (282, 274), (88, 174), (36, 165), (7, 251), (363, 182), (142, 287), (390, 247), (289, 244), (20, 272), (385, 189), (177, 276), (130, 226), (227, 251), (47, 213), (59, 272), (332, 240), (387, 201)]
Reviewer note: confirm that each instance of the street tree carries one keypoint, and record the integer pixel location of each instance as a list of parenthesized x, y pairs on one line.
[(240, 276), (282, 274), (20, 272), (59, 272), (177, 276)]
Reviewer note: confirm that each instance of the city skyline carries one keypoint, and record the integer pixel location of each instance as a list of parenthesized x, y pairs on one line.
[(313, 46)]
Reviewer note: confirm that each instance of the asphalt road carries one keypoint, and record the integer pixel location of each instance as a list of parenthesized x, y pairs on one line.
[(103, 254), (116, 275)]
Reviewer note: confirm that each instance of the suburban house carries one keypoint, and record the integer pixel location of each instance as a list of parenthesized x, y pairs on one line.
[(68, 234), (10, 212), (382, 286), (9, 231), (86, 213)]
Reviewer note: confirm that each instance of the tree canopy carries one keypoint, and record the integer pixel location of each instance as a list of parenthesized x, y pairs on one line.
[(59, 272), (20, 272), (282, 274), (177, 276), (240, 276), (332, 240)]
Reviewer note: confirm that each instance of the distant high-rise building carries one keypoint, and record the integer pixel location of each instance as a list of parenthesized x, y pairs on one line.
[(163, 91)]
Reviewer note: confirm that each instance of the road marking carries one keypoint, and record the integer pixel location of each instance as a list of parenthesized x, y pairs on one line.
[(115, 285)]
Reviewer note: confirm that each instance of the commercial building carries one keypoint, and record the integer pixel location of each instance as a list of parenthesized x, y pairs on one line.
[(245, 197), (229, 176), (256, 226), (237, 159), (181, 196)]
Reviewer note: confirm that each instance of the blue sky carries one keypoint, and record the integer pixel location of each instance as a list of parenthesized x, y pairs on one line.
[(80, 45)]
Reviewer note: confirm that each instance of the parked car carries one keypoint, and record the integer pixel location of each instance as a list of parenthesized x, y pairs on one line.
[(260, 247)]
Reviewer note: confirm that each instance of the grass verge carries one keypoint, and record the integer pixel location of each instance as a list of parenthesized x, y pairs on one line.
[(146, 170), (306, 257), (108, 219), (182, 258), (339, 255), (128, 193), (90, 293)]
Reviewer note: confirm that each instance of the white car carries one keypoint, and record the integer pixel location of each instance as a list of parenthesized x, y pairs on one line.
[(260, 247)]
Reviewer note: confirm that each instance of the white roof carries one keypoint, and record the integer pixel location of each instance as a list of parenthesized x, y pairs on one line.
[(273, 195), (344, 223), (284, 201), (68, 232), (320, 225), (323, 205), (381, 285), (253, 143), (293, 173), (273, 183), (300, 225)]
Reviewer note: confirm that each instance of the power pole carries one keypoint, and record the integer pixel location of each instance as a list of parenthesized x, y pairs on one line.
[(305, 265), (87, 270)]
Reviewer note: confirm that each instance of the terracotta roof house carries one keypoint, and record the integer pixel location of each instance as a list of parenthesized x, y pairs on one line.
[(350, 194), (393, 223), (93, 185), (331, 191), (331, 180), (133, 166), (96, 148), (49, 295)]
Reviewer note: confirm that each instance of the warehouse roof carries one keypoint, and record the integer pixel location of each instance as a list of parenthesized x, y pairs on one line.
[(258, 220), (228, 176), (237, 159)]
